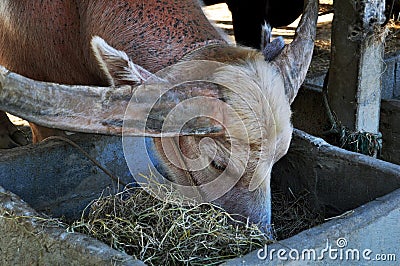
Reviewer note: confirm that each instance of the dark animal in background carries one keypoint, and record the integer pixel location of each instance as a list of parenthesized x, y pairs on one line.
[(249, 17)]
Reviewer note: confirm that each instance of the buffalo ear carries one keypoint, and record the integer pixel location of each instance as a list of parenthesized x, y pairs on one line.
[(117, 66), (270, 49)]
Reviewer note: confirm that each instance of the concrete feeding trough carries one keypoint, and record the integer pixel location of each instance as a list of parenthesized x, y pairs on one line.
[(55, 179)]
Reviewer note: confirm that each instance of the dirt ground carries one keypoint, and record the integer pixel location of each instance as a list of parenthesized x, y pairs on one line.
[(221, 16)]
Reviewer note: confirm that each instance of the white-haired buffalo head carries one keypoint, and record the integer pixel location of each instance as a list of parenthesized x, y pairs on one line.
[(247, 100)]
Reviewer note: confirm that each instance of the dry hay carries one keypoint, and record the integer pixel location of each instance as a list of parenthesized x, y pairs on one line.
[(162, 233), (293, 213)]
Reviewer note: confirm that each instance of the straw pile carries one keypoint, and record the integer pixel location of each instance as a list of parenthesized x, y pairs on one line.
[(293, 213), (161, 233)]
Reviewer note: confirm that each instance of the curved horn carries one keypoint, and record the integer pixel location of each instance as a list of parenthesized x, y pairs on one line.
[(295, 58), (101, 110)]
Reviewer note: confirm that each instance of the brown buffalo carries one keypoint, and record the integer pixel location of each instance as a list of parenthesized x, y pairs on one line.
[(159, 48)]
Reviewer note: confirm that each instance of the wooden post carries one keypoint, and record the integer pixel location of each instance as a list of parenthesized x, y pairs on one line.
[(354, 85)]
